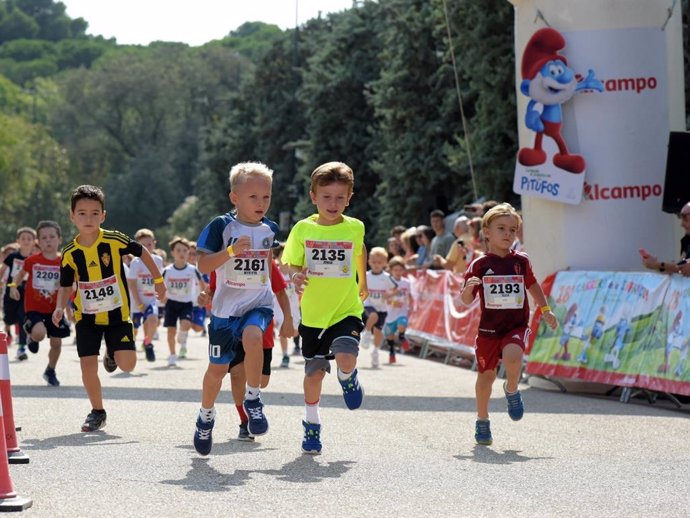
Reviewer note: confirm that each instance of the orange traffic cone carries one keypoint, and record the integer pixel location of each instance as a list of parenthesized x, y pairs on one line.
[(14, 453), (9, 501)]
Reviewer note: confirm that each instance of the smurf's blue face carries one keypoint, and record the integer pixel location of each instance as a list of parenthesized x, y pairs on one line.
[(554, 84)]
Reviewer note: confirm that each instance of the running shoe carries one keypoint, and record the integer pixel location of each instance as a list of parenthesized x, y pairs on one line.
[(183, 352), (405, 345), (108, 363), (203, 436), (94, 421), (311, 443), (482, 432), (50, 377), (150, 354), (391, 359), (172, 360), (32, 346), (516, 408), (286, 362), (353, 393), (258, 424), (365, 339), (374, 358), (21, 353), (297, 351), (243, 435)]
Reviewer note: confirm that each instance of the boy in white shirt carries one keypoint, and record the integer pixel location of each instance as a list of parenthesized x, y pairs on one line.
[(181, 279)]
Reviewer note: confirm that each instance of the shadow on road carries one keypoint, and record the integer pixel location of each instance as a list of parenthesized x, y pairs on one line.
[(486, 455), (74, 439), (304, 469), (536, 401)]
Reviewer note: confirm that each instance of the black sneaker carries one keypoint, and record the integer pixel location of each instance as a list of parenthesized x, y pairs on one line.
[(150, 354), (108, 363), (244, 434), (50, 377), (32, 346), (94, 421), (21, 353)]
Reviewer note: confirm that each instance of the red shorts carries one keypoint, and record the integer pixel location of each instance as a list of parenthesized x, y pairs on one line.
[(490, 349)]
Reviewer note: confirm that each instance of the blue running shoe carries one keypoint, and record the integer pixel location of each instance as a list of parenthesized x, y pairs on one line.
[(50, 377), (353, 393), (482, 432), (312, 438), (203, 436), (516, 408), (244, 434), (258, 424)]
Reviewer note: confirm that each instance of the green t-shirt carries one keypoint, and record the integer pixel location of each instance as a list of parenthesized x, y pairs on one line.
[(329, 252)]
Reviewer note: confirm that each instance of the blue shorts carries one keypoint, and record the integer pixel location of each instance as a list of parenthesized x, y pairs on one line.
[(138, 317), (198, 316), (392, 327), (225, 334)]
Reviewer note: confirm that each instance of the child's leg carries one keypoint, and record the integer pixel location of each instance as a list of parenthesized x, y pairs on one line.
[(346, 362), (92, 384), (512, 361), (172, 331), (150, 325), (238, 382), (482, 390), (372, 319), (266, 367), (183, 333), (252, 341), (312, 395), (378, 337), (126, 360), (54, 352), (38, 332), (284, 345), (213, 379)]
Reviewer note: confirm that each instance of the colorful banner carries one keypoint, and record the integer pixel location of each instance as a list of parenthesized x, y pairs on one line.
[(617, 328), (435, 316)]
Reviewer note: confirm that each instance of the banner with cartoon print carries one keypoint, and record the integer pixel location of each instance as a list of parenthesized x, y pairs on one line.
[(617, 328)]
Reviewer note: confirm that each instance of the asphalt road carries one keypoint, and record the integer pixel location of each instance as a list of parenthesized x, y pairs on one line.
[(409, 451)]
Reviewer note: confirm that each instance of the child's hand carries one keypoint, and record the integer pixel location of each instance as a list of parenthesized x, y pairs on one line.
[(204, 299), (363, 293), (287, 329), (300, 280), (14, 293), (57, 316), (160, 291), (550, 319), (240, 246), (472, 282)]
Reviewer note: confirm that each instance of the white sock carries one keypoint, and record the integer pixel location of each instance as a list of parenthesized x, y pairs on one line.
[(342, 376), (207, 414), (182, 337), (252, 393), (312, 413)]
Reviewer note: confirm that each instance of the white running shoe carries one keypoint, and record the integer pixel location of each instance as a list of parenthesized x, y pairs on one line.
[(375, 358), (172, 360), (365, 339)]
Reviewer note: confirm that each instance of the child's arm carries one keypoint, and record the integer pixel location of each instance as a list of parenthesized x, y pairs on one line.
[(540, 300), (467, 295), (298, 278), (206, 263), (362, 274), (287, 329), (64, 293), (152, 267), (18, 279)]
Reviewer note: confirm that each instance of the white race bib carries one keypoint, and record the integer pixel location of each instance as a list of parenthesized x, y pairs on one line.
[(45, 277), (146, 286), (100, 296), (329, 258), (247, 271), (17, 265), (504, 291), (180, 288)]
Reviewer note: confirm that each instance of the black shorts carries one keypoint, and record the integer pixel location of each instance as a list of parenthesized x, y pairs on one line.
[(175, 311), (13, 310), (368, 310), (313, 346), (239, 358), (118, 337), (53, 331)]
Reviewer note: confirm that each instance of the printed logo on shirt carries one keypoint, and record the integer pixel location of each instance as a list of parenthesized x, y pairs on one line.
[(266, 243), (92, 264), (489, 272)]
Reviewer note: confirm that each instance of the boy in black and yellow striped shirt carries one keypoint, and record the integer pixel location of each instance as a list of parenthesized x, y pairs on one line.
[(102, 306)]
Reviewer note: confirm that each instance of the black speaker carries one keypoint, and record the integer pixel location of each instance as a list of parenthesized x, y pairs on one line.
[(677, 184)]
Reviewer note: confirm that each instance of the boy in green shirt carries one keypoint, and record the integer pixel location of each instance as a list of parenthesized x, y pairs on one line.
[(327, 261)]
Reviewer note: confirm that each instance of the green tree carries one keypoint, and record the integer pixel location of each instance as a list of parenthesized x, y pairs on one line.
[(16, 24)]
